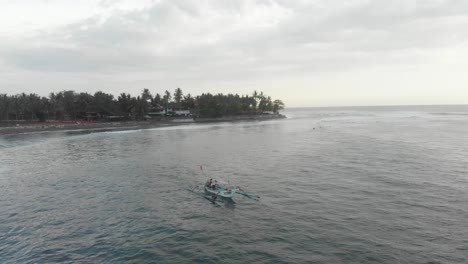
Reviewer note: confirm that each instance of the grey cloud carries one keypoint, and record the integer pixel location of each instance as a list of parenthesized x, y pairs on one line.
[(192, 38)]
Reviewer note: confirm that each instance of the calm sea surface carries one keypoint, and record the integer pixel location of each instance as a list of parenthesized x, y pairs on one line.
[(337, 185)]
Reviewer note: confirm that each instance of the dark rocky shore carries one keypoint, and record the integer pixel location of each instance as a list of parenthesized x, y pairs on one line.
[(11, 127), (36, 127)]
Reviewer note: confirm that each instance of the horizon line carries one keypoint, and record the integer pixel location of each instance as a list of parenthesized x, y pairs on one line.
[(347, 106)]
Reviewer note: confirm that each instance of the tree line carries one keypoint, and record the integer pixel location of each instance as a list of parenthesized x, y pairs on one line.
[(70, 105)]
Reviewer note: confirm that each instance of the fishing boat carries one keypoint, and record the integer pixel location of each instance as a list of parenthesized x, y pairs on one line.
[(220, 189), (225, 190)]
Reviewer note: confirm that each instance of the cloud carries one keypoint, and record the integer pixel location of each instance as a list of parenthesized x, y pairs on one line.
[(185, 34), (225, 40)]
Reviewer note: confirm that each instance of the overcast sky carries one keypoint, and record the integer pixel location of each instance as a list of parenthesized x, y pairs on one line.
[(306, 52)]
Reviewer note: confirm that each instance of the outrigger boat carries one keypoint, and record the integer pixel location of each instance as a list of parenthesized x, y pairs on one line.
[(225, 190), (215, 189), (218, 191)]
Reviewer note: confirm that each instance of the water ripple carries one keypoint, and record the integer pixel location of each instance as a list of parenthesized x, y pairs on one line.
[(339, 186)]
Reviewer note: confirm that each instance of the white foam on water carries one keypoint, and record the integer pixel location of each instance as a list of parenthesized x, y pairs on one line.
[(123, 131)]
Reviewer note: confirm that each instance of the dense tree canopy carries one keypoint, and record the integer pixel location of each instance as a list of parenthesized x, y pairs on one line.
[(69, 105)]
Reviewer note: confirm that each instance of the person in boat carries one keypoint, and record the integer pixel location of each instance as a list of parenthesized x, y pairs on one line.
[(213, 185), (208, 184)]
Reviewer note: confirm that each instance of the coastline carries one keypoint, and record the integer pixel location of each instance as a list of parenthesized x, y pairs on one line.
[(29, 128), (13, 128), (239, 118)]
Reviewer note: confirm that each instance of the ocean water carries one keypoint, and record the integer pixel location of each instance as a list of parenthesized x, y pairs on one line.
[(337, 185)]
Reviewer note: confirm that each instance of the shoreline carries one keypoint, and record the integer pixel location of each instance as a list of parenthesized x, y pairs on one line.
[(239, 118), (70, 126), (33, 128)]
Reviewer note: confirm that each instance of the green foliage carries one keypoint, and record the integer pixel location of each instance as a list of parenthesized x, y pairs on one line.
[(104, 103), (178, 96), (277, 105), (166, 98), (208, 105), (68, 105), (156, 103), (125, 104)]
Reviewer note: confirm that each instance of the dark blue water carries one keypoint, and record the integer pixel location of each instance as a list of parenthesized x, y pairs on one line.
[(337, 185)]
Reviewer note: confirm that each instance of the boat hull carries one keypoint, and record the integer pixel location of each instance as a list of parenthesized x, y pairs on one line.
[(220, 192)]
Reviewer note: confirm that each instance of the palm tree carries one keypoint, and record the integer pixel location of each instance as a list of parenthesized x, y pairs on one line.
[(4, 106), (146, 99), (166, 99), (277, 105), (146, 95), (254, 101), (178, 97), (189, 102), (59, 106), (156, 103), (125, 104), (35, 106), (104, 103)]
